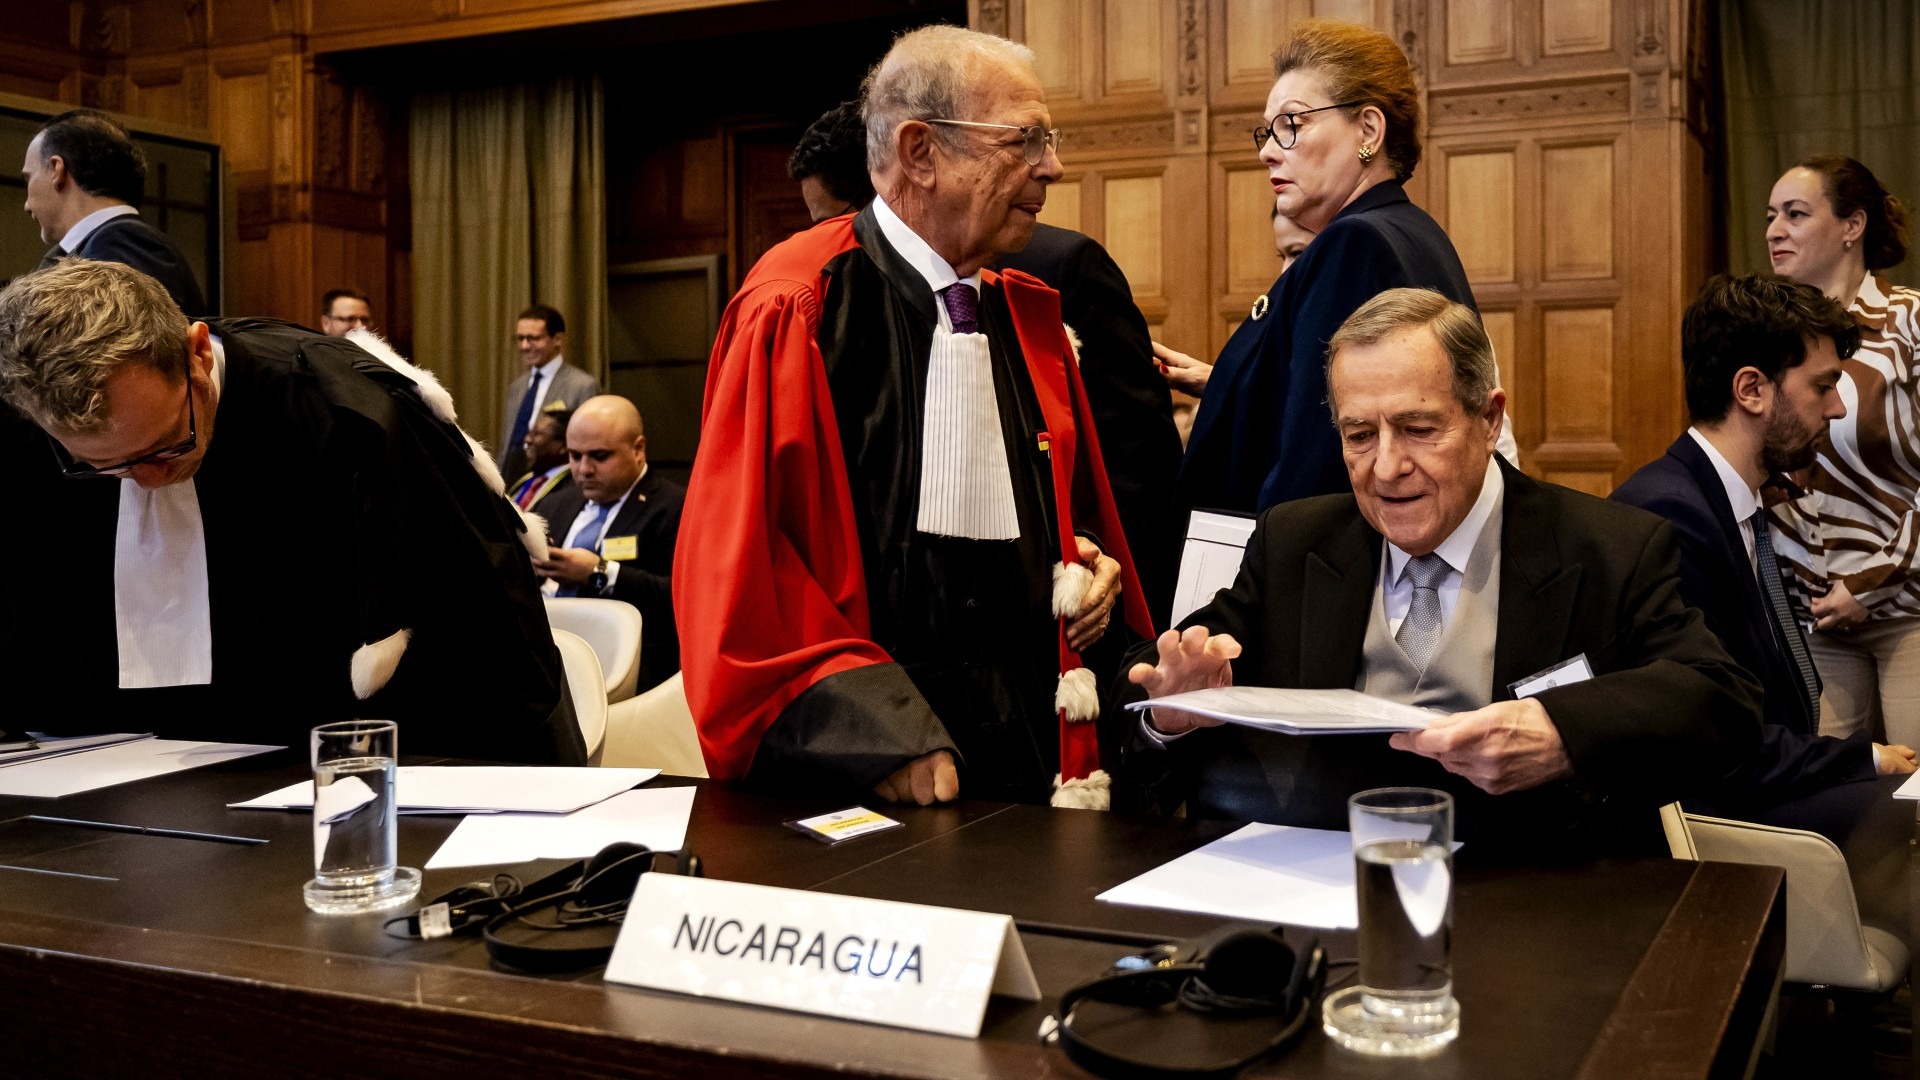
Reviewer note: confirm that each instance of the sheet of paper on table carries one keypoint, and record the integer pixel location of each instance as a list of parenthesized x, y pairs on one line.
[(1910, 789), (1297, 712), (481, 789), (1263, 873), (656, 817), (52, 746), (118, 763)]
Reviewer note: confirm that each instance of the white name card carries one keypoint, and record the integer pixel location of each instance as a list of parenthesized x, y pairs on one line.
[(878, 961)]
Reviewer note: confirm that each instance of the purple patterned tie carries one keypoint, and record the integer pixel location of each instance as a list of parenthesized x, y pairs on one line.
[(963, 307)]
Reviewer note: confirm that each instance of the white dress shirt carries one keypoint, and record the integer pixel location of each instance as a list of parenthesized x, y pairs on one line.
[(1744, 500), (85, 226), (547, 371), (575, 533)]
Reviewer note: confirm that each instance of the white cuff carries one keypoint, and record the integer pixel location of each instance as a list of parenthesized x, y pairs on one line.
[(1155, 735), (613, 575)]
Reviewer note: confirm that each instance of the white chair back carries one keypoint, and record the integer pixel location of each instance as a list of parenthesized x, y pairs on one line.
[(587, 686), (655, 731), (612, 627), (1827, 945)]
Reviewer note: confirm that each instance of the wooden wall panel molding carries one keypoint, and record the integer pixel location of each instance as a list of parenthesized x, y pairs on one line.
[(1153, 135), (1576, 26), (1136, 49), (1063, 206), (1479, 211), (1134, 228), (1481, 30), (1053, 31), (1605, 97), (989, 16), (1190, 32), (1577, 210)]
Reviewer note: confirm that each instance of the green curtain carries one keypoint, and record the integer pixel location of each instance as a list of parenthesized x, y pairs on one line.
[(509, 208), (1806, 77)]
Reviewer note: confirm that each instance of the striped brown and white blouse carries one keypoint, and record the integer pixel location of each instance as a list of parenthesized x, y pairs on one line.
[(1856, 522)]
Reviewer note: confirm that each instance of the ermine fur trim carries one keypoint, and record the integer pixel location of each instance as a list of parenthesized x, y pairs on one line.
[(534, 536), (1070, 584), (1073, 339), (1077, 696), (1094, 792), (374, 664), (439, 402)]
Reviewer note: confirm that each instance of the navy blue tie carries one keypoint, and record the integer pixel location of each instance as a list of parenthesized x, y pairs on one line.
[(525, 418)]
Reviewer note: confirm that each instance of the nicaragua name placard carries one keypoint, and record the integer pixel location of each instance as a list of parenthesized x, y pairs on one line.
[(876, 961)]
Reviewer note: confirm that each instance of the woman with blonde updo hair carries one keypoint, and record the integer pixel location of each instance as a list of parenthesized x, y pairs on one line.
[(1854, 535), (1339, 136)]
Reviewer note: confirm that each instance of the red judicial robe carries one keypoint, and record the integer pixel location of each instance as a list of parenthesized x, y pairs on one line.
[(826, 641)]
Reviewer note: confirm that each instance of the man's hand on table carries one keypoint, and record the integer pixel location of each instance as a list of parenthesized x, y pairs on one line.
[(1507, 746), (927, 779)]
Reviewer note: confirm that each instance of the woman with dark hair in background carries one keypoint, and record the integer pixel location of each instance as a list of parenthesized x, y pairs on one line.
[(1854, 535), (1342, 133)]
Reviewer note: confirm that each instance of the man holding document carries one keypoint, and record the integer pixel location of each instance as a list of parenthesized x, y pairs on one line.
[(1576, 692)]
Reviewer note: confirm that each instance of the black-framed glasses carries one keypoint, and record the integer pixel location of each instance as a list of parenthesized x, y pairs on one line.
[(1035, 140), (74, 470), (1290, 134)]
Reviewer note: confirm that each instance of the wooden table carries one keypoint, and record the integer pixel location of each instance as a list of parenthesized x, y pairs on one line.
[(124, 953)]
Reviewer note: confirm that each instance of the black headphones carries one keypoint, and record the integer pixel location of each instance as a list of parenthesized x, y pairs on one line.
[(1239, 971), (588, 898)]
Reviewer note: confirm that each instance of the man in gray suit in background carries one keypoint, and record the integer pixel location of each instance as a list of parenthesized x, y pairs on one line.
[(549, 385)]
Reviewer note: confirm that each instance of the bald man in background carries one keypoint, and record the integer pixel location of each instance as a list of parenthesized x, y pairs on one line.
[(613, 528)]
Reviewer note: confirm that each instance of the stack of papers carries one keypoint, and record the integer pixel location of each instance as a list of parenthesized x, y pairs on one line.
[(110, 760), (481, 789), (1297, 712), (55, 746), (655, 817)]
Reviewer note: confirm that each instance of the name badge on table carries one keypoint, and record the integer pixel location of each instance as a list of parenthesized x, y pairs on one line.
[(876, 961), (1564, 673), (620, 548)]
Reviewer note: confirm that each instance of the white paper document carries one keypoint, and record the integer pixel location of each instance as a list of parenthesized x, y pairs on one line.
[(1910, 789), (1298, 712), (481, 789), (1216, 546), (656, 817), (106, 766), (1265, 873), (52, 746)]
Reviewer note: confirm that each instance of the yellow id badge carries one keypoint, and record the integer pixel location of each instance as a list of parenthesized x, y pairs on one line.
[(620, 548)]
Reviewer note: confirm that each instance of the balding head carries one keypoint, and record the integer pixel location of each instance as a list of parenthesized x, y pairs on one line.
[(607, 447), (944, 112)]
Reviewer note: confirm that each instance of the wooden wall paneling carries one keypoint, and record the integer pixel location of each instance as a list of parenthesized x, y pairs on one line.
[(1575, 26), (1247, 208), (1134, 226), (1135, 53), (1184, 225), (243, 117), (1478, 31), (1479, 210), (1577, 210), (1053, 30)]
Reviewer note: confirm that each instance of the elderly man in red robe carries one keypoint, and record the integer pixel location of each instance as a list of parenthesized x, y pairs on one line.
[(898, 536)]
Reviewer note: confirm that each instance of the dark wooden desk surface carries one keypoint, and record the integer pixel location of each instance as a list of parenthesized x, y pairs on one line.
[(122, 953)]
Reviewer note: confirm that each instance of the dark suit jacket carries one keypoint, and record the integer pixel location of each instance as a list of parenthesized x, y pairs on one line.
[(652, 517), (1132, 409), (1715, 577), (1262, 435), (1665, 710), (131, 241)]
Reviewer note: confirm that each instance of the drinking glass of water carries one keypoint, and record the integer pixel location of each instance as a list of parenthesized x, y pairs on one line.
[(1403, 864), (355, 821)]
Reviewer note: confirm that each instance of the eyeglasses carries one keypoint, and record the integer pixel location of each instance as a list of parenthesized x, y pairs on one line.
[(1035, 140), (74, 470), (531, 339), (1272, 130)]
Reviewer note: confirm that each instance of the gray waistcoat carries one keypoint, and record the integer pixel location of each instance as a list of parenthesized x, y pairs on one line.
[(1459, 677)]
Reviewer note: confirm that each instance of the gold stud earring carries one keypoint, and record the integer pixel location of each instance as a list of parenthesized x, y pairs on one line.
[(1366, 154)]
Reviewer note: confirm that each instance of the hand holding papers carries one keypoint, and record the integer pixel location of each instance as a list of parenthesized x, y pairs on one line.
[(1188, 661), (1290, 712)]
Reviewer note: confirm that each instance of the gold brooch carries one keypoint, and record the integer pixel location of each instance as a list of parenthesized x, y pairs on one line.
[(1259, 307)]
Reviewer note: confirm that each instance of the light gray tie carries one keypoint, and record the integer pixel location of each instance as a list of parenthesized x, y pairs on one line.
[(1420, 630)]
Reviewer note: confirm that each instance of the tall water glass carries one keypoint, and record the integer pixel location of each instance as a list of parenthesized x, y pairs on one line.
[(1403, 1004), (355, 821)]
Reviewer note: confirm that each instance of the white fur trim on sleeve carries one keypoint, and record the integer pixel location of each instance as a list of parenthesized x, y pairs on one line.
[(1070, 584), (484, 465), (534, 539), (1077, 696), (374, 663), (1093, 792), (439, 402), (1073, 339)]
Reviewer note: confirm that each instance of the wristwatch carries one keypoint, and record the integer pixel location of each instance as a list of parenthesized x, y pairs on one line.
[(597, 581)]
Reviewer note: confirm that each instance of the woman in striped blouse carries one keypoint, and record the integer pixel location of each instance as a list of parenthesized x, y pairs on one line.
[(1853, 537)]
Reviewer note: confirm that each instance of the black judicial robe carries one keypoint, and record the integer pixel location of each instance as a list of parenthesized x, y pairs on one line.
[(337, 510)]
